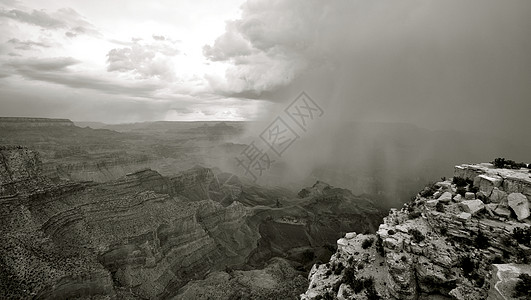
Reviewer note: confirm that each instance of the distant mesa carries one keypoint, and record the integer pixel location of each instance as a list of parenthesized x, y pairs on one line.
[(17, 122)]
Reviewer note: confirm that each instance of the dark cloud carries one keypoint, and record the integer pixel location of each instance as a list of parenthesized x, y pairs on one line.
[(56, 70), (145, 60), (26, 45), (455, 66), (463, 64)]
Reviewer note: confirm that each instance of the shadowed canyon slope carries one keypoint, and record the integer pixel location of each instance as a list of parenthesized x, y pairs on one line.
[(151, 236)]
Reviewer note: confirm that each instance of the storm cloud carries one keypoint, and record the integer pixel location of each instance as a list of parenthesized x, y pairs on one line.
[(439, 64), (461, 65)]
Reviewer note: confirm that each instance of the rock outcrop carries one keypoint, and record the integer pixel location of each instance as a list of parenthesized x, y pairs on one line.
[(432, 249)]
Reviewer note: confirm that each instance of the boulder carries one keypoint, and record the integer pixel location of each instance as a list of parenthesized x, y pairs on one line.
[(470, 196), (502, 212), (498, 196), (519, 204), (350, 235), (458, 198), (432, 203), (445, 197), (488, 182), (464, 216), (472, 206)]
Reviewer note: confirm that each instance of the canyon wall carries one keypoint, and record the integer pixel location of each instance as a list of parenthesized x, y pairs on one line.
[(149, 236), (137, 237)]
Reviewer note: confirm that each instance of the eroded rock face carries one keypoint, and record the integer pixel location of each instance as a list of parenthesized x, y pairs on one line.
[(20, 171), (148, 243), (135, 237), (147, 236), (434, 249), (195, 183)]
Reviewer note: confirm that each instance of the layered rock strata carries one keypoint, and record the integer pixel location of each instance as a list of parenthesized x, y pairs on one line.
[(440, 245)]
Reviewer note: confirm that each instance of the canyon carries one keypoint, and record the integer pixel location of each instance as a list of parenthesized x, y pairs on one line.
[(145, 235), (152, 211)]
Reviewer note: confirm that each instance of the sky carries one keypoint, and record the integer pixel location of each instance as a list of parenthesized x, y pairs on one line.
[(449, 64)]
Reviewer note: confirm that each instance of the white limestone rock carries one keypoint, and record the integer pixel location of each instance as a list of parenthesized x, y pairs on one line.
[(472, 206), (432, 203), (445, 197), (350, 235), (519, 204), (464, 216), (470, 196)]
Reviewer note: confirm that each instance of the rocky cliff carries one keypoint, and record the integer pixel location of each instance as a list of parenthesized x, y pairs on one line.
[(468, 238)]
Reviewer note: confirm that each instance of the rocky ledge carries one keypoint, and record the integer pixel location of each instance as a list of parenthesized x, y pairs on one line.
[(465, 238)]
